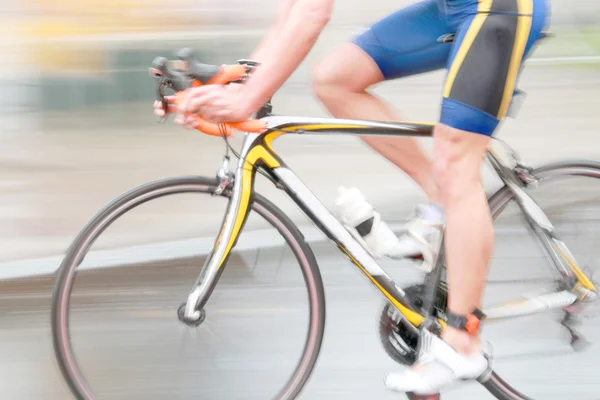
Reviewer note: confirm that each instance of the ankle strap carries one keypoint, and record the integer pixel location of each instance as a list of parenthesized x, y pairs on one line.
[(470, 323)]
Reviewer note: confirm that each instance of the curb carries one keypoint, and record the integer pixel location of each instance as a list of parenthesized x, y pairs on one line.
[(173, 250), (161, 251)]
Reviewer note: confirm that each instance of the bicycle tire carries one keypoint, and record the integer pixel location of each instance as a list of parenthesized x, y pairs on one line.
[(545, 173), (160, 188), (497, 203)]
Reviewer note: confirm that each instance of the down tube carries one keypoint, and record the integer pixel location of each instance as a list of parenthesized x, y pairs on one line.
[(336, 232)]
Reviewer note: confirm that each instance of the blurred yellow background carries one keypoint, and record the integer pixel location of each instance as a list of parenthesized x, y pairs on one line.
[(64, 30)]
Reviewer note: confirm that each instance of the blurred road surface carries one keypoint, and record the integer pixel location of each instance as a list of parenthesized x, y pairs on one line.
[(131, 346)]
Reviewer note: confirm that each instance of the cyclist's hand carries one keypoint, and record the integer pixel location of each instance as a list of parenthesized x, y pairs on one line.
[(216, 103), (158, 107)]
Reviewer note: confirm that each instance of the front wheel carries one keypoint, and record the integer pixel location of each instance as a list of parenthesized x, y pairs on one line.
[(236, 315)]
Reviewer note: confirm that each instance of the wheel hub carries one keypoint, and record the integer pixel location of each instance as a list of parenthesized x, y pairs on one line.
[(190, 322)]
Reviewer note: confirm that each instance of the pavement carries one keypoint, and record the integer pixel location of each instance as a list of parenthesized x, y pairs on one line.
[(130, 344)]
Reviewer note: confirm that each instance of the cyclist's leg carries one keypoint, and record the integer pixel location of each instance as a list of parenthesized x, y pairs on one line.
[(481, 80), (403, 44), (482, 74)]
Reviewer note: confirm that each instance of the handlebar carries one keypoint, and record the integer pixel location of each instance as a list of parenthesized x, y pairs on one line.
[(179, 75)]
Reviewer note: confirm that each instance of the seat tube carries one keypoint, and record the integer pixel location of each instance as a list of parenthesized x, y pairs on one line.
[(237, 211)]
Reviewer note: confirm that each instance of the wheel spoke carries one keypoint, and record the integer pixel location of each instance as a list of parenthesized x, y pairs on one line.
[(224, 311)]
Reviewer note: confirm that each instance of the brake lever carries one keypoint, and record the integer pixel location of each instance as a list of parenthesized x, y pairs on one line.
[(162, 86), (159, 72)]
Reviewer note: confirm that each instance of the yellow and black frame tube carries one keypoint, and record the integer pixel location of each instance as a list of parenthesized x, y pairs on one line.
[(258, 152), (253, 154), (322, 217)]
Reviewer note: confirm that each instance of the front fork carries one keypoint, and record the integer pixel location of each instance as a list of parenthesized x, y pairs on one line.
[(234, 218)]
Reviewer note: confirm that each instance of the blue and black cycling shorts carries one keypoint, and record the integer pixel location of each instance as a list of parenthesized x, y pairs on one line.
[(492, 39)]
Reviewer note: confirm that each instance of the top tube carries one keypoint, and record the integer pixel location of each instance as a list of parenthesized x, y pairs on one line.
[(308, 125)]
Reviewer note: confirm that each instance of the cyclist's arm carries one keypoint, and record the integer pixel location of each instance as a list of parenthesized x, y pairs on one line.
[(299, 32), (266, 45)]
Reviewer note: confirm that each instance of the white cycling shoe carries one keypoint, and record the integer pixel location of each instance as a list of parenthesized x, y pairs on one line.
[(364, 223), (422, 232), (438, 366)]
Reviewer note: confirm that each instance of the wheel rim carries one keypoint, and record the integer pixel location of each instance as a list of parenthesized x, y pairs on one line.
[(64, 284), (498, 387), (546, 174)]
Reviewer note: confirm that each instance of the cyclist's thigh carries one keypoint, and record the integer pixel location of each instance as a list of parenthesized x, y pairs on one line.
[(486, 58), (406, 42)]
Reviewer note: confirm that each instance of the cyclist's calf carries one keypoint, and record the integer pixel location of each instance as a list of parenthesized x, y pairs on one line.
[(457, 169), (457, 161)]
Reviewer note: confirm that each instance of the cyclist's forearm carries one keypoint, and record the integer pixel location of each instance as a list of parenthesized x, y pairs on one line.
[(306, 20), (261, 52)]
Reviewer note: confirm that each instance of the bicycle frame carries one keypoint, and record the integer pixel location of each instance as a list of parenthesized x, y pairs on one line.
[(257, 152)]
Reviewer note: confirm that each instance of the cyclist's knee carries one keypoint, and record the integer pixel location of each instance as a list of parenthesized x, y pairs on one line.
[(325, 83), (457, 162), (347, 70), (454, 178)]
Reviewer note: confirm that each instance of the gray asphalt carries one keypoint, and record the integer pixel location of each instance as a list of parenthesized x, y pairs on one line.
[(131, 345)]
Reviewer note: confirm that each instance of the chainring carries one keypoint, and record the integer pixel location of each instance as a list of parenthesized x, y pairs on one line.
[(398, 338)]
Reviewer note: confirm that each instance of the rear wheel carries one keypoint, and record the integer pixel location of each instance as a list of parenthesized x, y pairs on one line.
[(63, 309), (578, 185)]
